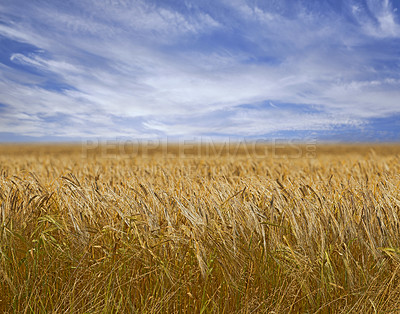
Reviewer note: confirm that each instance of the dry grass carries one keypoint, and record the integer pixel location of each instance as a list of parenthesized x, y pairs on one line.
[(218, 231)]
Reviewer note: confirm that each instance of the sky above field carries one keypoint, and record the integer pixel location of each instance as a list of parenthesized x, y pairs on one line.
[(288, 69)]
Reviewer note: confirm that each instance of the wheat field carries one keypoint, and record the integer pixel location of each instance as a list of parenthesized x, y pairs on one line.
[(88, 229)]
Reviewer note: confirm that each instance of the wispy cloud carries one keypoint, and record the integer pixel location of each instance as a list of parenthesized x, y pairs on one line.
[(151, 69), (378, 18)]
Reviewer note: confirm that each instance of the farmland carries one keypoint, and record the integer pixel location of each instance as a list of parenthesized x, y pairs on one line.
[(212, 228)]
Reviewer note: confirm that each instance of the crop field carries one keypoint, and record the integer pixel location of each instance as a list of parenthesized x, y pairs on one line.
[(200, 229)]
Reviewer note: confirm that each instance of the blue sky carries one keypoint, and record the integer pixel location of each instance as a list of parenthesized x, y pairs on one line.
[(83, 69)]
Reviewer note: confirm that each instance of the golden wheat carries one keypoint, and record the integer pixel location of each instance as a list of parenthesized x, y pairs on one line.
[(242, 229)]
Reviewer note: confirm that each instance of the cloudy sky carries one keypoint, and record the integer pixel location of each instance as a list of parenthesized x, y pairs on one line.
[(82, 69)]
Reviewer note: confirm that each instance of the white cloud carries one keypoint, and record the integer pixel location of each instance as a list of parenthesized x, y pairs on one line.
[(126, 61), (380, 19)]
